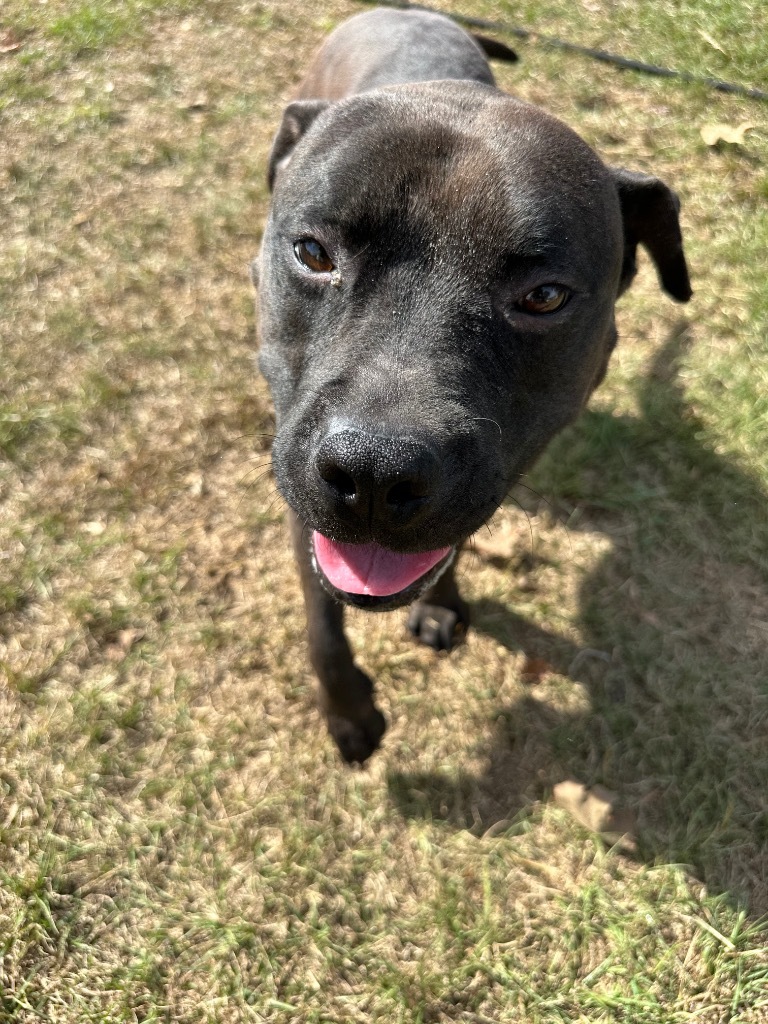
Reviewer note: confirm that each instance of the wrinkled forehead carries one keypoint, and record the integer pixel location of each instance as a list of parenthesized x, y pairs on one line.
[(449, 165)]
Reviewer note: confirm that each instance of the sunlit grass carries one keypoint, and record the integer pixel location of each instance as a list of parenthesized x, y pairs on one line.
[(177, 838)]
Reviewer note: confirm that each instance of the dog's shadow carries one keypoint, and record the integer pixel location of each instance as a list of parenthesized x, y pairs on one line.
[(675, 658)]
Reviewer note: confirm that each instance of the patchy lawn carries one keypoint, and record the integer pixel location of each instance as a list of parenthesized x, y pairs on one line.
[(178, 840)]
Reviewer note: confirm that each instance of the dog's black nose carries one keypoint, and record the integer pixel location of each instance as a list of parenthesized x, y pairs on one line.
[(383, 480)]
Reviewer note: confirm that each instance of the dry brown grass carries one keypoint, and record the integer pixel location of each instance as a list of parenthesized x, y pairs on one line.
[(177, 838)]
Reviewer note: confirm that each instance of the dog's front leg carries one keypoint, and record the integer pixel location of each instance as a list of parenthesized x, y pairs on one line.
[(346, 693), (440, 619)]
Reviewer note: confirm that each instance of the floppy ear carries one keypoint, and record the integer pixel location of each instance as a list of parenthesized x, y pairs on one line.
[(649, 209), (297, 118)]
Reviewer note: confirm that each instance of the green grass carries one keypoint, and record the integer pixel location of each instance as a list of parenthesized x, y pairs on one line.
[(91, 26), (712, 38), (177, 838)]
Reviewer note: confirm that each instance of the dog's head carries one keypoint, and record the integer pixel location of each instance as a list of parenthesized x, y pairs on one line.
[(437, 288)]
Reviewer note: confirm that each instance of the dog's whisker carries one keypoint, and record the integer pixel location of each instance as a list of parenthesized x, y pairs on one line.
[(244, 437), (560, 519), (541, 497), (258, 462), (530, 524), (361, 251), (248, 492), (250, 487), (250, 483), (472, 558), (487, 419), (276, 500)]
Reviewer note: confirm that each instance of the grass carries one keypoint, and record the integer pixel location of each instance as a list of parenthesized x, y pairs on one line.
[(177, 838)]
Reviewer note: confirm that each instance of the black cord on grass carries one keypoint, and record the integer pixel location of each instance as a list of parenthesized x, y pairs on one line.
[(586, 51)]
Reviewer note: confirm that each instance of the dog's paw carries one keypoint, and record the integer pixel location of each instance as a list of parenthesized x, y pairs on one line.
[(437, 626), (357, 738)]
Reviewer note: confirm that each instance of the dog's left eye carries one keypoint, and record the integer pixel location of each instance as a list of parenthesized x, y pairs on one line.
[(313, 256), (547, 298)]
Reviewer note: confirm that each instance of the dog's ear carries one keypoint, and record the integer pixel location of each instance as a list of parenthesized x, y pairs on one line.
[(650, 212), (297, 118)]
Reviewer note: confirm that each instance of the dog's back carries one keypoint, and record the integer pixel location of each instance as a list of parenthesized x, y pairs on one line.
[(388, 47)]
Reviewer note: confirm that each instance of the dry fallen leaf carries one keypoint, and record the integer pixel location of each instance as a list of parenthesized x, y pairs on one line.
[(9, 41), (196, 103), (534, 669), (597, 808), (713, 134), (196, 484), (710, 39), (96, 529), (125, 640)]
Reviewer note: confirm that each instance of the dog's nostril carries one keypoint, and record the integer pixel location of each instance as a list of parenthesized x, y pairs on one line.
[(383, 479), (402, 493), (339, 480)]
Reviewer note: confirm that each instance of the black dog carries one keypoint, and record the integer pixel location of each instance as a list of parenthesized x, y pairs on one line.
[(437, 288)]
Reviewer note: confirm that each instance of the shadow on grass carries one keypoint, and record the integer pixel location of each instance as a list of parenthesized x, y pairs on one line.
[(675, 662)]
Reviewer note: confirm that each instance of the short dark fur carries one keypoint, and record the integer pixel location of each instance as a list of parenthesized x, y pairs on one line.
[(411, 370)]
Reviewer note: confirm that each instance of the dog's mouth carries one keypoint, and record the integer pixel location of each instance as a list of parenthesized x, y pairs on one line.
[(372, 576)]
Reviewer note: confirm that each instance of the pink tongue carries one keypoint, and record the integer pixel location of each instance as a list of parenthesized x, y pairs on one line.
[(370, 568)]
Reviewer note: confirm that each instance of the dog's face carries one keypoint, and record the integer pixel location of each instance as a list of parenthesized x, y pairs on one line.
[(437, 288)]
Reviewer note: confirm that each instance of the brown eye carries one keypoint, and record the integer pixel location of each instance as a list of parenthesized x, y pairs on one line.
[(547, 298), (313, 256)]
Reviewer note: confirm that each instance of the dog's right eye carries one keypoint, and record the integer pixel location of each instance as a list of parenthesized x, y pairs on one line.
[(313, 256), (547, 298)]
